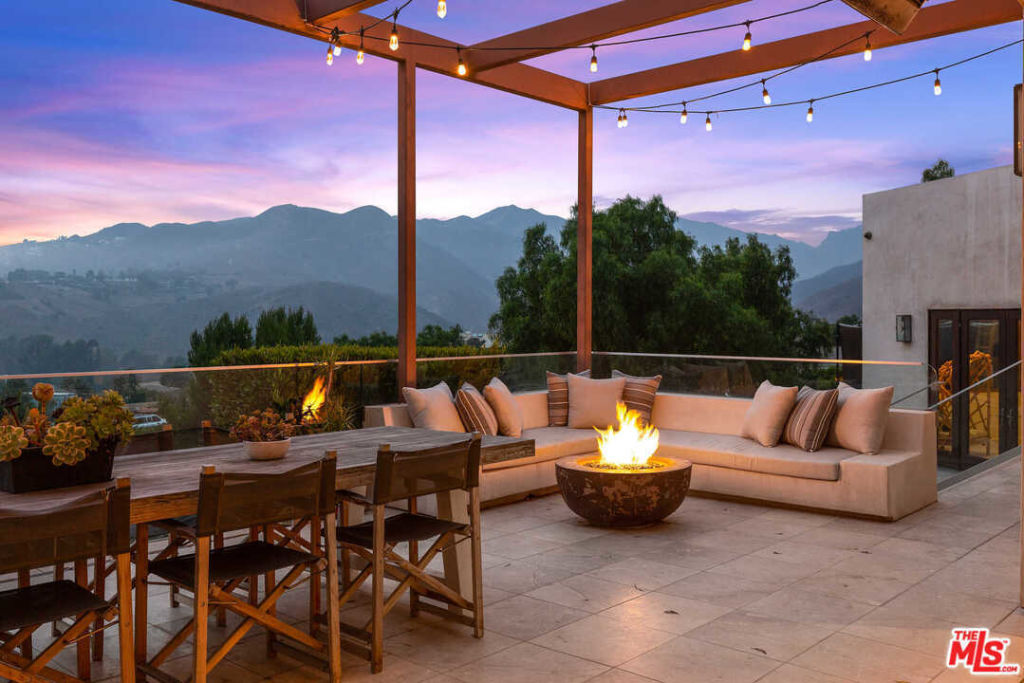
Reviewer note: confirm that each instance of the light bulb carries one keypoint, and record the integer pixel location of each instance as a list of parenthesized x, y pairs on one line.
[(683, 115), (765, 97), (330, 54), (337, 50), (867, 51), (747, 39), (593, 60), (938, 84), (442, 9), (393, 40), (707, 123), (360, 56), (461, 68), (810, 112), (625, 119)]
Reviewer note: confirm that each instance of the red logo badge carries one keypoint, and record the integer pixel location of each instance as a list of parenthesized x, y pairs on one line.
[(979, 653)]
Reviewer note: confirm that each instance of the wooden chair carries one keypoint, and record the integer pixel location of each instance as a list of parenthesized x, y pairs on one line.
[(240, 501), (95, 525), (405, 476)]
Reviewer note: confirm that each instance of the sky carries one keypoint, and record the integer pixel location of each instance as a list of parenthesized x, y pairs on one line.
[(158, 111)]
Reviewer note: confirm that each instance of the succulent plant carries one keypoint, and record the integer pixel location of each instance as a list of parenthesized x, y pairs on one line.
[(266, 425), (66, 443), (104, 417), (12, 441)]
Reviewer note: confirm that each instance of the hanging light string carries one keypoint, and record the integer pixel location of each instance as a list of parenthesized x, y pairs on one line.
[(811, 101)]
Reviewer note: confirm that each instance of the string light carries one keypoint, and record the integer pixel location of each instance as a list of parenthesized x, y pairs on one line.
[(707, 123), (393, 39), (867, 48), (593, 59), (330, 54), (747, 38), (683, 116), (361, 55), (461, 68), (764, 93), (810, 111), (442, 9), (938, 84), (623, 119)]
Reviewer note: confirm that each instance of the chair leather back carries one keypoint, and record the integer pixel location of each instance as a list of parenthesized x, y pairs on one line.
[(419, 472)]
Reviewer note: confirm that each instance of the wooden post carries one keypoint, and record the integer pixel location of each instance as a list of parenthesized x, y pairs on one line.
[(584, 241), (1020, 376), (406, 224)]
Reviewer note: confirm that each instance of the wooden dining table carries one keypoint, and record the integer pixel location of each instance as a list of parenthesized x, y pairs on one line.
[(166, 484)]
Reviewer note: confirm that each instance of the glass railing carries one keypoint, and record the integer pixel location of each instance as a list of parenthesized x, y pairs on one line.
[(520, 371)]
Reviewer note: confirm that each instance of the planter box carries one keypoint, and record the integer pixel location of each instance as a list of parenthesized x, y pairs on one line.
[(34, 471)]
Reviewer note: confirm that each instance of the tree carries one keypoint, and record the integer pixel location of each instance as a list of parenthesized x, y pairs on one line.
[(940, 169), (379, 338), (278, 327), (219, 335), (654, 291), (435, 335)]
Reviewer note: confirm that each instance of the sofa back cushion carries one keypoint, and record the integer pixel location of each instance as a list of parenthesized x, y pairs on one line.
[(766, 417), (592, 401), (433, 408), (476, 413), (811, 419), (505, 407), (558, 398), (861, 419), (639, 393)]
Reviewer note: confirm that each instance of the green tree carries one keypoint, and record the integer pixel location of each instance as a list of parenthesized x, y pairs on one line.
[(379, 338), (219, 335), (280, 327), (655, 292), (435, 335), (940, 169)]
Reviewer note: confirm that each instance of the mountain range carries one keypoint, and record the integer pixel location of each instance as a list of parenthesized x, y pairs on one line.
[(160, 282)]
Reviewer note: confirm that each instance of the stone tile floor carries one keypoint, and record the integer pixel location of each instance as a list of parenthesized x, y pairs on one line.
[(720, 592)]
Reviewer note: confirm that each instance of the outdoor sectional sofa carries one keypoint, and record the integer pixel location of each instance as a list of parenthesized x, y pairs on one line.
[(891, 484)]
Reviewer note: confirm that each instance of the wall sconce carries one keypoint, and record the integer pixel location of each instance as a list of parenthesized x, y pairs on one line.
[(903, 329)]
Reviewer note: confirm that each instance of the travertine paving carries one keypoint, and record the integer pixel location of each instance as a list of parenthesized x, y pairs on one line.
[(720, 592)]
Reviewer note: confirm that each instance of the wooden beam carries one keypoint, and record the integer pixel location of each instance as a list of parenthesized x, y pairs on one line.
[(406, 225), (931, 22), (584, 242), (326, 10), (518, 79), (597, 24)]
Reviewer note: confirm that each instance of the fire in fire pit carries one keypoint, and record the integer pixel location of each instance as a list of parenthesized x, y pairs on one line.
[(626, 483)]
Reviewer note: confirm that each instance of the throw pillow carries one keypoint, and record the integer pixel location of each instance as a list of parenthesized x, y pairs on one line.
[(639, 393), (811, 419), (766, 417), (558, 398), (861, 419), (475, 411), (506, 408), (592, 401), (433, 408)]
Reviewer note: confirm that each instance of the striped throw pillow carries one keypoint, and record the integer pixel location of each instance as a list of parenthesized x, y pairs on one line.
[(474, 410), (811, 419), (639, 393), (558, 398)]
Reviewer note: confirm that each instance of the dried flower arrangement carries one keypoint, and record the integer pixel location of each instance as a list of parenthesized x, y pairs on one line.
[(260, 426)]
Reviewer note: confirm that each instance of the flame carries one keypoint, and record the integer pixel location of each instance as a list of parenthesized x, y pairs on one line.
[(314, 401), (631, 445)]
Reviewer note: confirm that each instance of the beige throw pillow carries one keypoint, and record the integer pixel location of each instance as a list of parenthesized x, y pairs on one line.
[(475, 411), (433, 408), (861, 419), (811, 419), (766, 417), (592, 401), (639, 393), (558, 398), (505, 407)]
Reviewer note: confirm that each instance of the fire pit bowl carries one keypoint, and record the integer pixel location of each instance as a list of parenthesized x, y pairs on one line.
[(623, 497)]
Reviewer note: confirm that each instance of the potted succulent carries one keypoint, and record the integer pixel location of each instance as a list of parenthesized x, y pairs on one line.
[(74, 446), (266, 435)]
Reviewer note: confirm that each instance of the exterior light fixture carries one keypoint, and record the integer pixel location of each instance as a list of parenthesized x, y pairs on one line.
[(442, 9), (867, 48), (810, 111), (393, 40), (904, 328), (938, 84), (683, 116), (461, 68), (707, 123), (593, 59), (747, 39), (765, 97)]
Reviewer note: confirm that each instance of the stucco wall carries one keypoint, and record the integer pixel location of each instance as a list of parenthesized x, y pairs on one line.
[(952, 243)]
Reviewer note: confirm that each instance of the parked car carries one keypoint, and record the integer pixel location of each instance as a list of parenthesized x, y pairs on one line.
[(144, 424)]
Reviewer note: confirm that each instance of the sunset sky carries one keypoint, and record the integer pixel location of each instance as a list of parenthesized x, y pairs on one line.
[(157, 111)]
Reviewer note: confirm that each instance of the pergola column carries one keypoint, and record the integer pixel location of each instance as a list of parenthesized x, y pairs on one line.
[(406, 224), (584, 241)]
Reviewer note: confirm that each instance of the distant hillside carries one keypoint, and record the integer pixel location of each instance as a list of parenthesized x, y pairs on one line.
[(833, 294)]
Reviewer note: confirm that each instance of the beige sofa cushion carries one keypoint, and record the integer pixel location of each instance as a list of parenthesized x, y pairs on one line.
[(766, 417), (809, 423), (506, 409), (639, 393), (738, 453), (433, 408), (861, 419), (476, 413), (592, 401), (558, 398)]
